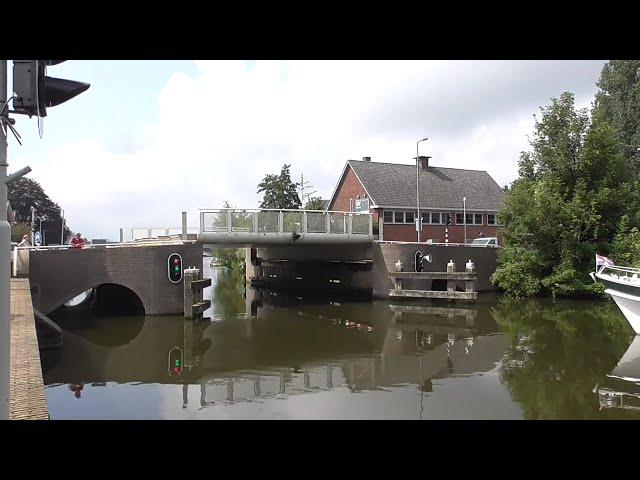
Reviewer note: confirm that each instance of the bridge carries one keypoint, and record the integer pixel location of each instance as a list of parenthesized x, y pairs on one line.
[(252, 228)]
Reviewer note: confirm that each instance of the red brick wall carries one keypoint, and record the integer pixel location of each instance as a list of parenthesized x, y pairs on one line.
[(407, 233), (349, 188)]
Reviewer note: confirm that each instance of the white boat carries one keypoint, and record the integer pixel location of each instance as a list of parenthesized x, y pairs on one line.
[(623, 284)]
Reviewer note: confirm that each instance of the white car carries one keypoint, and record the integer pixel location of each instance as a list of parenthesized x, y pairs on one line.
[(486, 241)]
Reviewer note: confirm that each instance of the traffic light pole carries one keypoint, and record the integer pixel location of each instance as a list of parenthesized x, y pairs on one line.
[(5, 264)]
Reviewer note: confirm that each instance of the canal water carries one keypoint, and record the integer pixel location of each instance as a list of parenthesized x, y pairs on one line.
[(272, 355)]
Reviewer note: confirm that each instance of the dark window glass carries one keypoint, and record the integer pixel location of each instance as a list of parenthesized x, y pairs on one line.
[(388, 216), (409, 217), (491, 219), (425, 217), (478, 219), (459, 218), (435, 218), (398, 217), (469, 218)]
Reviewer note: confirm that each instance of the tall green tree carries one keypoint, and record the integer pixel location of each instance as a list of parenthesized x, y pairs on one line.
[(25, 193), (314, 203), (565, 206), (279, 191), (617, 103)]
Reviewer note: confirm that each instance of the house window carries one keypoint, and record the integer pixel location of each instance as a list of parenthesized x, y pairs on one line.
[(388, 216), (491, 219), (398, 217), (469, 218), (435, 218), (409, 217), (425, 217), (478, 219), (459, 219)]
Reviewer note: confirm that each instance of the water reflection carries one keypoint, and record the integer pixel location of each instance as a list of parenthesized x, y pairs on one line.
[(272, 354), (621, 388)]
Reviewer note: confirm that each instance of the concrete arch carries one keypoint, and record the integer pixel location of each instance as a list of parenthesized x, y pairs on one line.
[(57, 276)]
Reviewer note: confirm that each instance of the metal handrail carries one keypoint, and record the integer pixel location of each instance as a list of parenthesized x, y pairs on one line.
[(258, 210), (619, 268)]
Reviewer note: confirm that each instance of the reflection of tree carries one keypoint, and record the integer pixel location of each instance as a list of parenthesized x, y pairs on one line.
[(228, 293), (559, 352)]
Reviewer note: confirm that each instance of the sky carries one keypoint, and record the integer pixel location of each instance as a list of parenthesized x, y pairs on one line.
[(151, 139)]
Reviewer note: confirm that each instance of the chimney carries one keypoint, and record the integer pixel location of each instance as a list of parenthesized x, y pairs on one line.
[(366, 159), (424, 162)]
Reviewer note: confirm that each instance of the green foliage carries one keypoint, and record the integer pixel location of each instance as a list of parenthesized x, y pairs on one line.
[(625, 249), (231, 258), (565, 206), (618, 104), (19, 230), (279, 191), (314, 203)]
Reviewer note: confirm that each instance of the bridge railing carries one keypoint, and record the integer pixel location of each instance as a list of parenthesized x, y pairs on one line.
[(228, 225)]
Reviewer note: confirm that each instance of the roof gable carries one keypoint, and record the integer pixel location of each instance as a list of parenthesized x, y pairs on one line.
[(394, 185)]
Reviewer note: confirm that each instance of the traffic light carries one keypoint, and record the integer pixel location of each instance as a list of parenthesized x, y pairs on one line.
[(175, 268), (419, 263), (34, 91), (176, 361)]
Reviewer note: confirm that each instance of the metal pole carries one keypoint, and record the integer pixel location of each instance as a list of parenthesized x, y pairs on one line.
[(5, 252), (33, 224), (464, 210), (418, 189), (62, 229)]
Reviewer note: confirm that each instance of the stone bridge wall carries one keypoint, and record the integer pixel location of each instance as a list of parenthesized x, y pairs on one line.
[(56, 276)]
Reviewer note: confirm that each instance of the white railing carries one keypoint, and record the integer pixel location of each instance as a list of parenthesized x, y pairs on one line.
[(232, 224), (623, 273), (143, 232)]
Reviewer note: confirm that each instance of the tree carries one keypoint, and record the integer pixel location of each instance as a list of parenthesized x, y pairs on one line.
[(565, 206), (25, 193), (314, 203), (618, 104), (279, 191)]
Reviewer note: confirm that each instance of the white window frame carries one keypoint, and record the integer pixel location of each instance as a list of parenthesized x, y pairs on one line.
[(495, 220)]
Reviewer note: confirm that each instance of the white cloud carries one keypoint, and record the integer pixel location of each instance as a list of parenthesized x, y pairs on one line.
[(217, 133)]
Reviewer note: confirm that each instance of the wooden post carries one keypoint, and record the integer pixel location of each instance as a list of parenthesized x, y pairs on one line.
[(189, 275)]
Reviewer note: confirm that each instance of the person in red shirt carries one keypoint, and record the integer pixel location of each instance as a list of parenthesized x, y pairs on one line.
[(77, 241)]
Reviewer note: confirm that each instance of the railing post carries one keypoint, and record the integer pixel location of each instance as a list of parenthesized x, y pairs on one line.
[(184, 225), (255, 222), (328, 222), (229, 221), (371, 225), (349, 219), (280, 222), (304, 221)]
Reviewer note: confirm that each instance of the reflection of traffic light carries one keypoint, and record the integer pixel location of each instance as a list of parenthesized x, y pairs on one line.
[(176, 361), (419, 261), (35, 91), (175, 268)]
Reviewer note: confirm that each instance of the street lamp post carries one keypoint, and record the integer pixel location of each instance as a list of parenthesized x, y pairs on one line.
[(464, 214), (62, 229), (419, 219)]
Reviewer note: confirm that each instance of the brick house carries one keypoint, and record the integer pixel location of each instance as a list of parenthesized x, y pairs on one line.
[(388, 191)]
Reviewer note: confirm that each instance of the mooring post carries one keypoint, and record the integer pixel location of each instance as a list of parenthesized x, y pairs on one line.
[(451, 284), (190, 274), (470, 268)]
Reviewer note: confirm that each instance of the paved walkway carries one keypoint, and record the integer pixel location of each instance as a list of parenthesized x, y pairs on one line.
[(27, 399)]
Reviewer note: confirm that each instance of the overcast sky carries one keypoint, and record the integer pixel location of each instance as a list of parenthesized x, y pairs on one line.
[(151, 139)]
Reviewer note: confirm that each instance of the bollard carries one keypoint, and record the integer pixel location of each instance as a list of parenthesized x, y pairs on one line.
[(189, 275), (451, 284)]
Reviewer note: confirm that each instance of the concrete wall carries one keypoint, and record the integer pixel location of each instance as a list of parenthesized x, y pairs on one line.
[(318, 265), (57, 276), (385, 256)]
